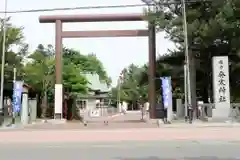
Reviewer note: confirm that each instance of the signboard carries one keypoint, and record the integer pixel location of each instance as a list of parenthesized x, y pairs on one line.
[(221, 82), (166, 92), (95, 113), (17, 96)]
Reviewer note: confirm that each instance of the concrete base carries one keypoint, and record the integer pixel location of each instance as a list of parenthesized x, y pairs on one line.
[(221, 113), (58, 116), (58, 101)]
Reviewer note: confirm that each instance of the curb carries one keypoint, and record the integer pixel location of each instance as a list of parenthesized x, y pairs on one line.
[(12, 127), (61, 121), (231, 125)]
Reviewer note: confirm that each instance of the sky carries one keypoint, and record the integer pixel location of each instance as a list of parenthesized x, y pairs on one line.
[(115, 53)]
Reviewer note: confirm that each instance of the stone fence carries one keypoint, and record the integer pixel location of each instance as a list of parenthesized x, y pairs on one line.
[(206, 110)]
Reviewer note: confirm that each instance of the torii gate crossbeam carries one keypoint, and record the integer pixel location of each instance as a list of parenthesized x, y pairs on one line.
[(60, 34)]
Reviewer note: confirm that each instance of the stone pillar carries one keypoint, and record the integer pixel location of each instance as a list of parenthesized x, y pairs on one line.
[(33, 109), (203, 113), (25, 108), (180, 109), (209, 111)]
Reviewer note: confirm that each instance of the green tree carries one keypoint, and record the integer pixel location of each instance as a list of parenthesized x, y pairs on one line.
[(73, 80), (14, 39), (130, 88), (87, 63), (39, 73), (213, 30)]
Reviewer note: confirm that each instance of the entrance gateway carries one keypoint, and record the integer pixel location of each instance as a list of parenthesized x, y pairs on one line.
[(60, 34)]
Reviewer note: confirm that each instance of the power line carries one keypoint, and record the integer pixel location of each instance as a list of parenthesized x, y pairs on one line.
[(73, 8), (96, 7)]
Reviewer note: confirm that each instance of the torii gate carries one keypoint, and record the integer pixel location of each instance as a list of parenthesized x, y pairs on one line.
[(60, 34)]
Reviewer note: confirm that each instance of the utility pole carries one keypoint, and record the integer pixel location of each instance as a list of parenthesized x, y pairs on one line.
[(185, 93), (187, 61), (119, 96), (3, 63)]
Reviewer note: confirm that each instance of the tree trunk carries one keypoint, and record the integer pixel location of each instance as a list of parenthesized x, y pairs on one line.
[(193, 83)]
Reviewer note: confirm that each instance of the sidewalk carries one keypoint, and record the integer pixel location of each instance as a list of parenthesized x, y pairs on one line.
[(199, 125), (195, 124), (119, 135), (117, 121), (53, 123)]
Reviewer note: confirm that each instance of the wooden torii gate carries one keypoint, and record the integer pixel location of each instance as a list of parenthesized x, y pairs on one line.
[(60, 34)]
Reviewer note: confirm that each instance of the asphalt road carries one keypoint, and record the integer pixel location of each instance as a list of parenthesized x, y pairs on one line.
[(146, 150)]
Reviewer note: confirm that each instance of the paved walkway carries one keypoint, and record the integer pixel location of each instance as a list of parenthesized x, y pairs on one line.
[(129, 120), (120, 121)]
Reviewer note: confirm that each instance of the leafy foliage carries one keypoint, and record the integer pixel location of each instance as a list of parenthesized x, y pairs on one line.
[(72, 79), (38, 68), (128, 88), (14, 38), (213, 30), (86, 63), (135, 82), (39, 71)]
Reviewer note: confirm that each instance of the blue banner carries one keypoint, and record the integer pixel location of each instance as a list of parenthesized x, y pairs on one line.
[(17, 96), (166, 91)]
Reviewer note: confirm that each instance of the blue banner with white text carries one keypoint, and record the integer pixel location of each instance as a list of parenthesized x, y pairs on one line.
[(166, 91), (17, 96)]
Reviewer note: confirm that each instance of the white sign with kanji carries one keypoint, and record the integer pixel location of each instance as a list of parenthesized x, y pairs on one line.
[(221, 82)]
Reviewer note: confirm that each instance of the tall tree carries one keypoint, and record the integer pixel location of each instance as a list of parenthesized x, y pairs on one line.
[(39, 73), (213, 30), (87, 63), (73, 80), (130, 88), (14, 49)]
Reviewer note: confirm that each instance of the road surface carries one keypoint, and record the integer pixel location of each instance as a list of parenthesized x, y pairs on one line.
[(126, 150), (124, 139), (122, 144)]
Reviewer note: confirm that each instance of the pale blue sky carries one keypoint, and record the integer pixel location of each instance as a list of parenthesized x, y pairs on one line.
[(115, 53)]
